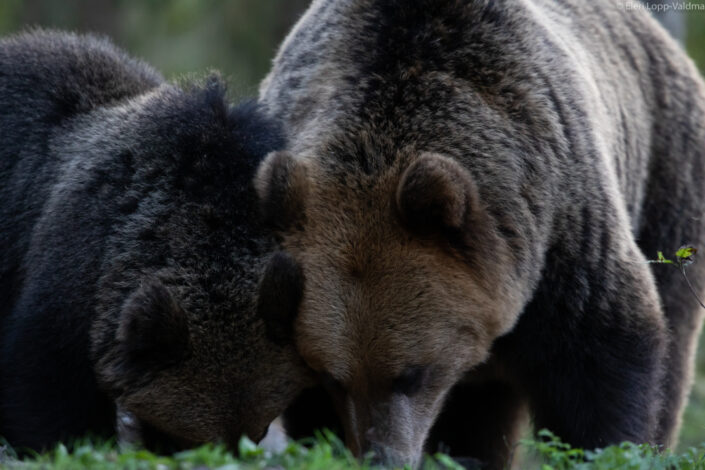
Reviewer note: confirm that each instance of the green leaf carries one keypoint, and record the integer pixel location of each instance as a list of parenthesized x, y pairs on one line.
[(686, 254)]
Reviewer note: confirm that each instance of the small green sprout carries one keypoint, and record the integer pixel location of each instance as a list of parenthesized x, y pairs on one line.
[(685, 256)]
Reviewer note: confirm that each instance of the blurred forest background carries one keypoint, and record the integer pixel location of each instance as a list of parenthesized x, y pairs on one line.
[(239, 38), (236, 37)]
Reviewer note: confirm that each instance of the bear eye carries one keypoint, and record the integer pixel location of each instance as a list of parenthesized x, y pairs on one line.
[(410, 381)]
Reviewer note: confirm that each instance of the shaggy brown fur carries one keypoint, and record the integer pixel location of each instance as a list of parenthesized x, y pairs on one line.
[(471, 190)]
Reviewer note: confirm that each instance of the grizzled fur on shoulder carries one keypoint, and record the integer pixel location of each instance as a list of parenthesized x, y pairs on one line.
[(471, 188), (45, 81), (131, 254)]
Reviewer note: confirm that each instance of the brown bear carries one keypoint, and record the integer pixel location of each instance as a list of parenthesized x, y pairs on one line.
[(472, 189), (136, 280)]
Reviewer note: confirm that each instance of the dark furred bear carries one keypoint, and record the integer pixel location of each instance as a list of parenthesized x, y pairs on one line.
[(131, 253), (472, 189)]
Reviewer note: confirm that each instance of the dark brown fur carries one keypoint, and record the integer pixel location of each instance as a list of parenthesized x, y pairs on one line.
[(483, 182), (132, 255)]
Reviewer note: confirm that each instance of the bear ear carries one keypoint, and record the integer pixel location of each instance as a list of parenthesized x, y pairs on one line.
[(281, 186), (153, 329), (279, 296), (436, 194)]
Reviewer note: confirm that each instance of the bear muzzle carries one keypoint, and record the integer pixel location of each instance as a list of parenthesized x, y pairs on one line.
[(391, 431)]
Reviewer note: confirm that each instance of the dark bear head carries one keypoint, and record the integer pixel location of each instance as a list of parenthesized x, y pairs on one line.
[(194, 313)]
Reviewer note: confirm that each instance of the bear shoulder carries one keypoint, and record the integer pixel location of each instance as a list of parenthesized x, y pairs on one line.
[(72, 73)]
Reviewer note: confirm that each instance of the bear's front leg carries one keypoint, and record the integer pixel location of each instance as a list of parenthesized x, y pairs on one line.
[(589, 349)]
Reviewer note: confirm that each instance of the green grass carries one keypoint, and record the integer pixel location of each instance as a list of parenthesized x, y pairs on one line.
[(557, 455), (327, 453)]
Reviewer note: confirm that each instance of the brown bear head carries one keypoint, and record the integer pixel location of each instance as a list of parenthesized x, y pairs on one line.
[(402, 267)]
